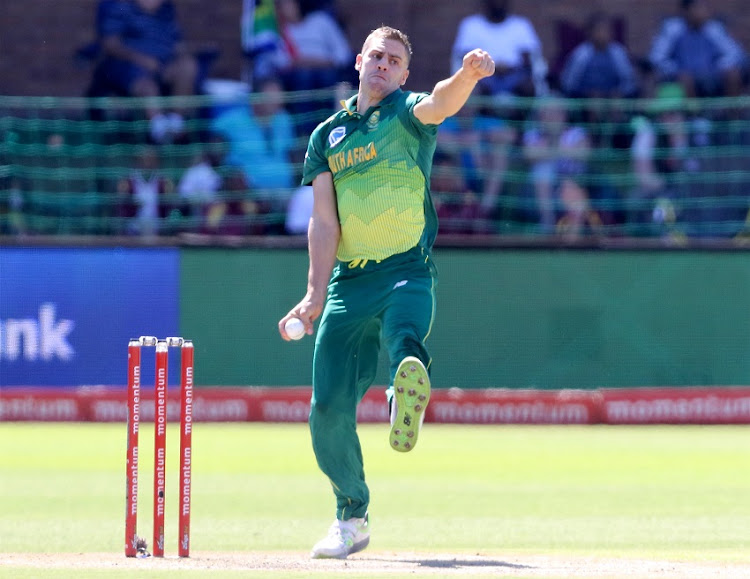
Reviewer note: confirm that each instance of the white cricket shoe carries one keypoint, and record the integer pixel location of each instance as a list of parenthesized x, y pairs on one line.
[(344, 538)]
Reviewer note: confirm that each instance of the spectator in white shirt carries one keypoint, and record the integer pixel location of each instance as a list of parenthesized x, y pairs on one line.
[(299, 211), (316, 47), (318, 56), (198, 188), (512, 43)]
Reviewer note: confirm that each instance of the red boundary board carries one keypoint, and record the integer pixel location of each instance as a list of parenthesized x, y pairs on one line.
[(705, 405)]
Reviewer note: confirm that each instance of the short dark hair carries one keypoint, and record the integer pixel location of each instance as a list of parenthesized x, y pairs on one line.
[(390, 33)]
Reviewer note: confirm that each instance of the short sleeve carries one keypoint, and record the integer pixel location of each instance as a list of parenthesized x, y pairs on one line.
[(412, 99), (531, 40), (315, 159)]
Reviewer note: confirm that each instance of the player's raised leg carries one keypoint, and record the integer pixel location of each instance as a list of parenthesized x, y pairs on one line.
[(406, 325), (411, 387)]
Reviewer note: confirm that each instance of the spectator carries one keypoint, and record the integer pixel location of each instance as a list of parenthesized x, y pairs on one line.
[(142, 196), (299, 211), (663, 157), (199, 187), (555, 150), (513, 44), (481, 143), (12, 217), (457, 206), (315, 46), (144, 55), (261, 138), (598, 67), (696, 50), (216, 197), (236, 211), (317, 54), (578, 219)]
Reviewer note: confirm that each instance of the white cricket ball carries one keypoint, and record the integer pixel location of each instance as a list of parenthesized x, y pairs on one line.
[(294, 328)]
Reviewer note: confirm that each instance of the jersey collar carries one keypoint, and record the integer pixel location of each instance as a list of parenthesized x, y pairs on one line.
[(350, 105)]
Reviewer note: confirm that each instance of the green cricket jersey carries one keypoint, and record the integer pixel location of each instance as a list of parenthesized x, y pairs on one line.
[(381, 162)]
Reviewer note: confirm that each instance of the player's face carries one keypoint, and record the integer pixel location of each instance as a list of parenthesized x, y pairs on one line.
[(383, 65)]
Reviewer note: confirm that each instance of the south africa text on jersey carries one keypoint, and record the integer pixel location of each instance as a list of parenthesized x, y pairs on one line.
[(354, 156)]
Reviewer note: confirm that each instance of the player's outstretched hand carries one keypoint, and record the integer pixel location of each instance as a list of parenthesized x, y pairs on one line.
[(479, 63)]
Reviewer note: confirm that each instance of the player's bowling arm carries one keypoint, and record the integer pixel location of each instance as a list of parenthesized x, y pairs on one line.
[(450, 94)]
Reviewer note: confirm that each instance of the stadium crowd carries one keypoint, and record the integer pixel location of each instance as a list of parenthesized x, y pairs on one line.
[(601, 143)]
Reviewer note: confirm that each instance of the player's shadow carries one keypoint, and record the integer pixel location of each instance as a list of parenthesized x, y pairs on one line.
[(459, 563)]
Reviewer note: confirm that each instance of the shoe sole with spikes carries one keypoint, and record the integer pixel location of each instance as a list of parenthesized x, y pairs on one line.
[(411, 388)]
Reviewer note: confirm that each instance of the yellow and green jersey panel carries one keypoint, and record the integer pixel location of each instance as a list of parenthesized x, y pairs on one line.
[(380, 162)]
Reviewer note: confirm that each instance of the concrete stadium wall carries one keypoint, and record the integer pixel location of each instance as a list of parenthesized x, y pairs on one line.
[(517, 319)]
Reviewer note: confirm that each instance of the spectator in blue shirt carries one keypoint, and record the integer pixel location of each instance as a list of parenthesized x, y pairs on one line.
[(261, 139), (145, 56), (598, 67), (697, 51)]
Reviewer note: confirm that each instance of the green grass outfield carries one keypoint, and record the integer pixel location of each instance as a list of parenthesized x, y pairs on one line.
[(672, 493)]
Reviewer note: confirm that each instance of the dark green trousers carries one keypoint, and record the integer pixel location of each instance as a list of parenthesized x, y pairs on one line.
[(391, 302)]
